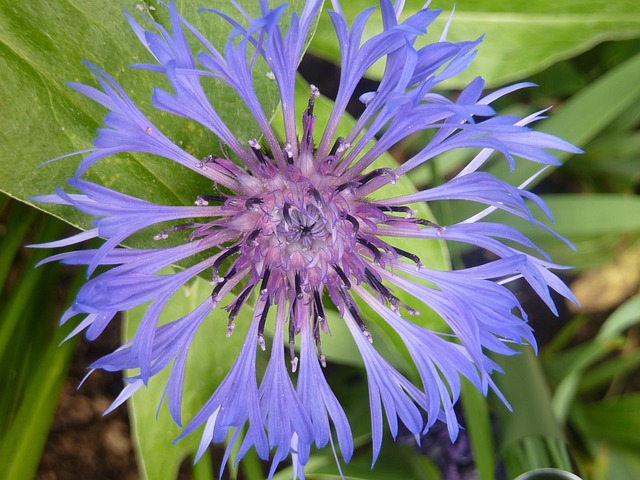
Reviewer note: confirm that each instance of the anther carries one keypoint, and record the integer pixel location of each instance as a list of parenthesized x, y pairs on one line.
[(427, 223), (261, 323), (356, 316), (339, 147), (312, 99), (288, 153), (252, 203), (319, 308), (316, 196), (371, 247), (379, 172), (205, 199), (354, 223), (265, 280), (403, 253), (298, 286), (349, 186), (176, 228), (238, 303), (256, 149), (224, 255), (208, 159), (408, 212), (285, 213), (218, 288), (343, 277), (252, 238)]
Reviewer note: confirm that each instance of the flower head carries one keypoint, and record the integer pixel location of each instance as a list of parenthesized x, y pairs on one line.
[(298, 226)]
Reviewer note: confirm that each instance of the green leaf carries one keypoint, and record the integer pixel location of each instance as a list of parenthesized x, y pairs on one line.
[(478, 425), (614, 462), (42, 45), (33, 364), (580, 358), (529, 437), (521, 38), (615, 421)]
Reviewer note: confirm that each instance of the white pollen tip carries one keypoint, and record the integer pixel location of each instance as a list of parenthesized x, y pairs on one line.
[(263, 291), (230, 329), (294, 364), (314, 90), (261, 342), (368, 336), (161, 236), (254, 144), (271, 75), (323, 361)]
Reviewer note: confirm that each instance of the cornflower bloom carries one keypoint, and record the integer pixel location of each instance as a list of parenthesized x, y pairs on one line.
[(300, 226)]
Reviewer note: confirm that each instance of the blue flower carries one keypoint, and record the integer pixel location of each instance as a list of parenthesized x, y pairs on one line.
[(301, 227)]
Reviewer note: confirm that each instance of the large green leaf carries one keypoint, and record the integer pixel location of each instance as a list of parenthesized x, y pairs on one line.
[(521, 37), (42, 45)]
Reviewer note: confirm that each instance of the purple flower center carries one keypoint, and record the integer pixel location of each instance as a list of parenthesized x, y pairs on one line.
[(301, 229)]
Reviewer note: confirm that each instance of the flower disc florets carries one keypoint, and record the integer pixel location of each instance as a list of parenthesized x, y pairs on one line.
[(301, 229)]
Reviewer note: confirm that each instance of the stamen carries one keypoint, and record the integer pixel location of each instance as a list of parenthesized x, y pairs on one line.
[(377, 173), (319, 308), (354, 223), (414, 258), (216, 291), (252, 203), (292, 339), (256, 149), (422, 221), (409, 212), (223, 256), (238, 303), (317, 197), (377, 285), (288, 153), (339, 147), (252, 238), (345, 186), (261, 323), (371, 247), (265, 280), (316, 337), (356, 316), (312, 99), (298, 286), (205, 199), (343, 277), (386, 294), (285, 213), (176, 228)]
